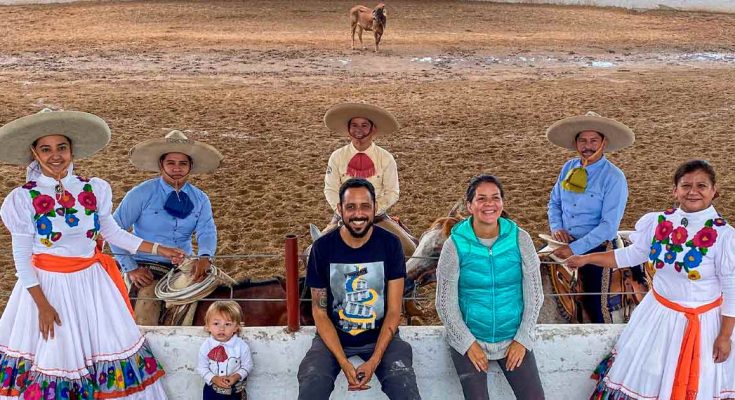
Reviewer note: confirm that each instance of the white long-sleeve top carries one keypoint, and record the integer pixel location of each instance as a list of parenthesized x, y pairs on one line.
[(238, 359), (40, 220), (686, 277), (385, 179)]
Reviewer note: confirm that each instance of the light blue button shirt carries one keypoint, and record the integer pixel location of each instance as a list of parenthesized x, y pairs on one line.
[(594, 216), (142, 210)]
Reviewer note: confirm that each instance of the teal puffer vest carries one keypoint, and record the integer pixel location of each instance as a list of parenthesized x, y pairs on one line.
[(490, 281)]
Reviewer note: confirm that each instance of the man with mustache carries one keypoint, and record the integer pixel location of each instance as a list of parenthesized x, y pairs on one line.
[(362, 158), (169, 210), (588, 200), (356, 275)]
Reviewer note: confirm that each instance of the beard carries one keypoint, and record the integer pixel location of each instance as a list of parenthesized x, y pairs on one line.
[(362, 233)]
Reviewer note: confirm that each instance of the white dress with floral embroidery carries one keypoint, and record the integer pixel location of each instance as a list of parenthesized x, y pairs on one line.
[(694, 259), (98, 350)]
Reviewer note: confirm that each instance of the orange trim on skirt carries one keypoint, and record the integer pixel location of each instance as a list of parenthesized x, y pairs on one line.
[(53, 263), (686, 380)]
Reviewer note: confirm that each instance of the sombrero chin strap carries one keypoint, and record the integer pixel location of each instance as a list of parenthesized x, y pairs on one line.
[(177, 204), (46, 170)]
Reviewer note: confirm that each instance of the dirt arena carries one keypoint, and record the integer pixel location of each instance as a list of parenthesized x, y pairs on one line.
[(474, 85)]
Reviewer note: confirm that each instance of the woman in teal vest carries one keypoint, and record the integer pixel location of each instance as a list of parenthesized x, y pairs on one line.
[(489, 295)]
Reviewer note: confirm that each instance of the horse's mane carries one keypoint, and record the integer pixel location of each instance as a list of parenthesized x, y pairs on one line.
[(445, 224)]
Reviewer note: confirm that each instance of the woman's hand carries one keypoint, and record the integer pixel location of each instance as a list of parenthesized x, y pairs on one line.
[(514, 356), (575, 262), (47, 317), (722, 348), (478, 357), (175, 255)]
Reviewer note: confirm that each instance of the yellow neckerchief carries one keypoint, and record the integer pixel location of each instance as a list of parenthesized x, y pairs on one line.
[(576, 179), (45, 168)]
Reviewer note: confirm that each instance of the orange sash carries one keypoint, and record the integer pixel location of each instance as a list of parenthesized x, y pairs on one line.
[(686, 380), (52, 263)]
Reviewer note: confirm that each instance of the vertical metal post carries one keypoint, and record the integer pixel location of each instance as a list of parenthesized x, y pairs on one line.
[(292, 284)]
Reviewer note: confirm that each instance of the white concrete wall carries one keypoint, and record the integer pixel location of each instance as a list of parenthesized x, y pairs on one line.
[(566, 355), (727, 6)]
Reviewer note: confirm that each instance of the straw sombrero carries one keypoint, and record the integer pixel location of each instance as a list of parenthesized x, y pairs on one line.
[(88, 134), (145, 155), (562, 132), (337, 117)]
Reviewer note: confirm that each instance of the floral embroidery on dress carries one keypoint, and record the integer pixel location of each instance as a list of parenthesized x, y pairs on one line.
[(113, 379), (43, 205), (89, 201), (46, 208), (674, 240)]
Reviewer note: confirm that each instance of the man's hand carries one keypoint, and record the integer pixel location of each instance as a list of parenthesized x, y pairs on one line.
[(563, 252), (365, 372), (221, 381), (478, 357), (351, 374), (141, 277), (562, 236), (722, 348), (200, 269), (514, 356)]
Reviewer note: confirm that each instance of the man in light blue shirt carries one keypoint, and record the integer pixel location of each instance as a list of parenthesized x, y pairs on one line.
[(167, 210), (588, 200)]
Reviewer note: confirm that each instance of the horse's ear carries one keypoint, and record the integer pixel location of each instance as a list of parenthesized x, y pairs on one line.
[(456, 210), (315, 232)]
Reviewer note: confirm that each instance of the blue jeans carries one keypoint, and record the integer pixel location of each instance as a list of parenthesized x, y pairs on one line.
[(319, 369)]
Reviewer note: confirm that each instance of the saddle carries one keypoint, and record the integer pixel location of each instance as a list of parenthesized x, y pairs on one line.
[(623, 288)]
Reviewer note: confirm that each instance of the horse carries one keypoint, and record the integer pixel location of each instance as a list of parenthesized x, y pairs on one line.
[(270, 310)]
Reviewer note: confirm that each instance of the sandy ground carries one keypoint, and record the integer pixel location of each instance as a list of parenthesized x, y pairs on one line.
[(474, 85)]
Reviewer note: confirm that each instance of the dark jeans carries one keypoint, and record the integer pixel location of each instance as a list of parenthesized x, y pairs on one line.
[(319, 369), (208, 393), (591, 277), (524, 380)]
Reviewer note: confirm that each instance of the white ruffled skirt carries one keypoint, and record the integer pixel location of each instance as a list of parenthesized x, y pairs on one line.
[(97, 352), (646, 355)]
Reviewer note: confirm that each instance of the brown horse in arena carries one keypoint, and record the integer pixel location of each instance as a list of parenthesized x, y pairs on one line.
[(263, 302)]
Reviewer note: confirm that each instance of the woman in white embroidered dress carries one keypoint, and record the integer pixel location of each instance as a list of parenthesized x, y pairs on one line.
[(67, 331), (678, 341)]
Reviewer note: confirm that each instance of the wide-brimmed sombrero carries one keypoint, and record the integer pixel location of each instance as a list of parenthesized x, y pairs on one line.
[(563, 132), (88, 134), (145, 155), (337, 117)]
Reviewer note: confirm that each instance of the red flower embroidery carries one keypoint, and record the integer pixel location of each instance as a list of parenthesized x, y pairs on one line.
[(679, 235), (43, 204), (88, 200), (663, 230), (67, 200), (706, 237), (151, 366)]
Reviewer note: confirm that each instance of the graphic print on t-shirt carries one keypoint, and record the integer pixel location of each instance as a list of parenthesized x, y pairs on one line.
[(359, 295)]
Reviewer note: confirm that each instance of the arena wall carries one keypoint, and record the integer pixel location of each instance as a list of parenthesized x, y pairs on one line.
[(725, 6), (566, 356)]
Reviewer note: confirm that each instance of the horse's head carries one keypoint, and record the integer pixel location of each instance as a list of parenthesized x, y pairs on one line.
[(421, 267)]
